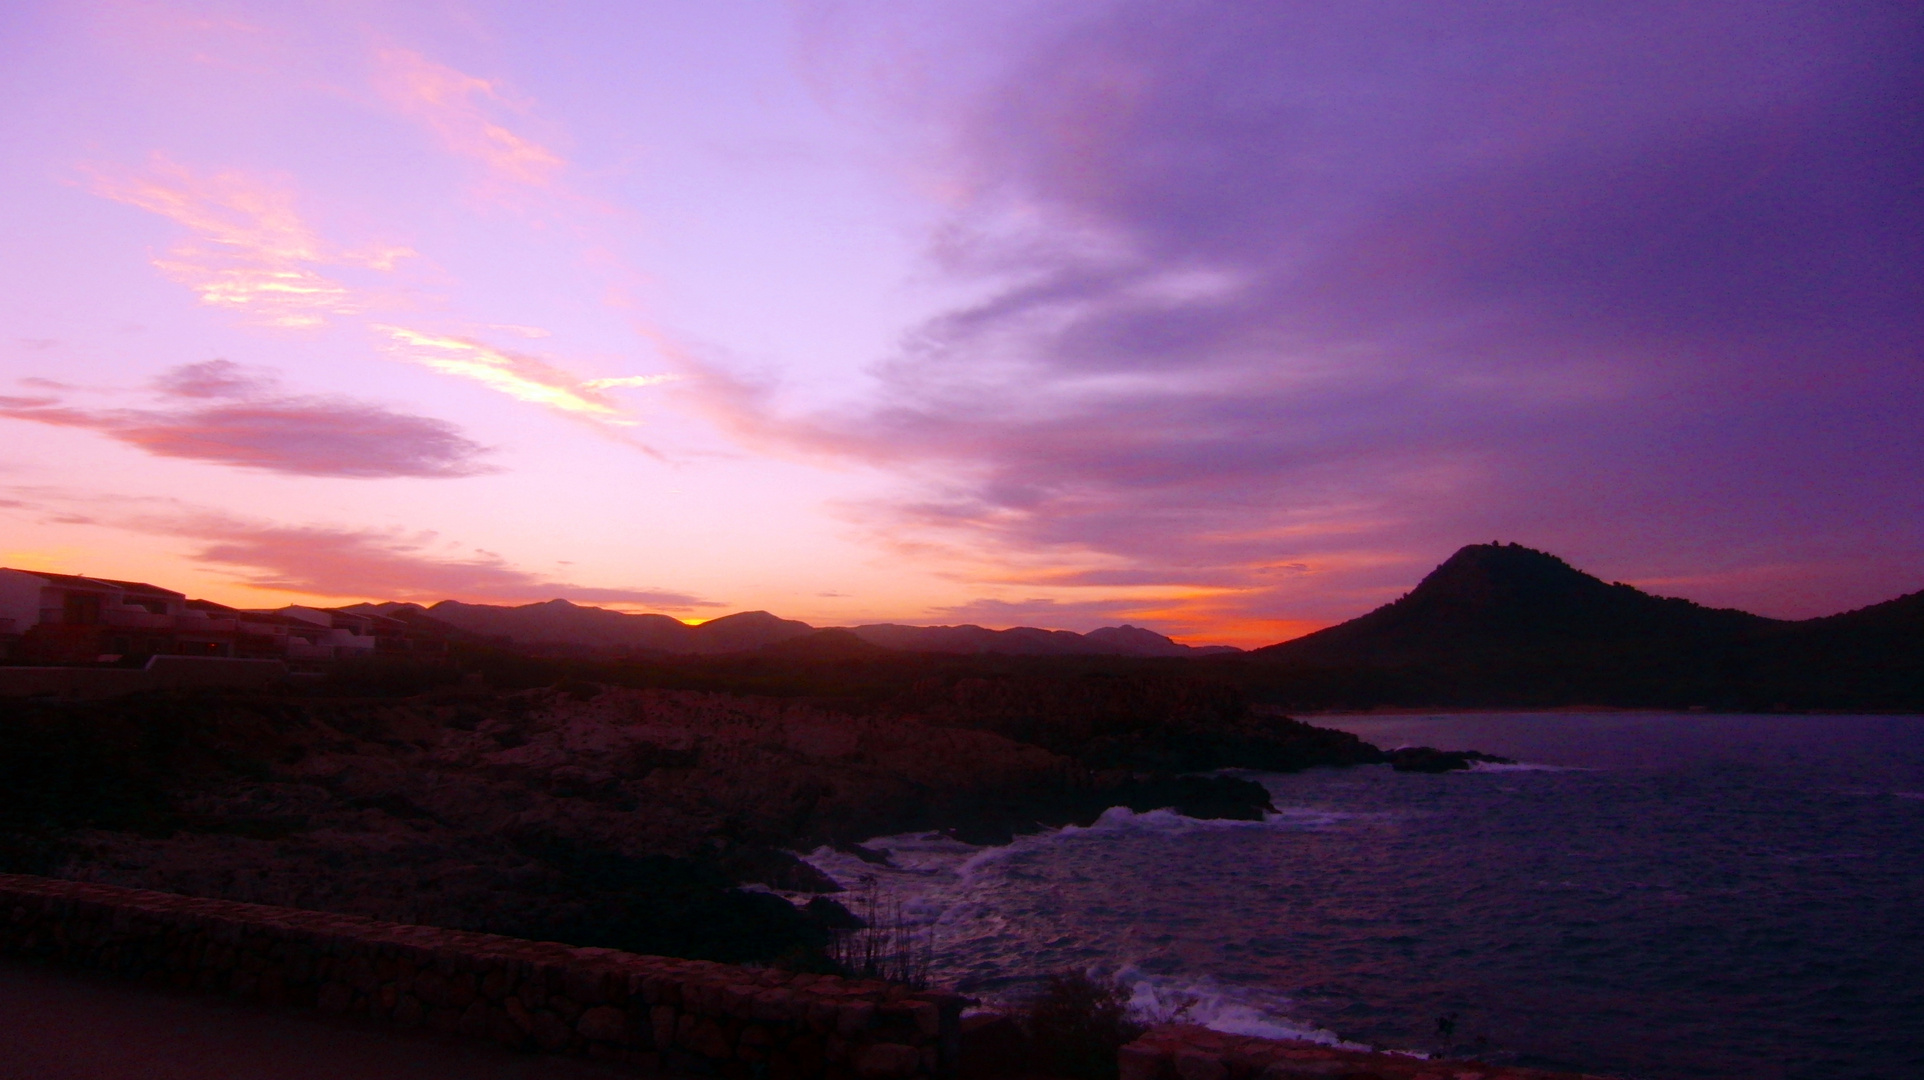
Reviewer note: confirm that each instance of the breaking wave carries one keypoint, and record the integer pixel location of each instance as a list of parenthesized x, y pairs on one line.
[(1456, 917)]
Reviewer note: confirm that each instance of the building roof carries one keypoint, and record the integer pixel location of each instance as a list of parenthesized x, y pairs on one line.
[(142, 587), (79, 582), (75, 581), (209, 605)]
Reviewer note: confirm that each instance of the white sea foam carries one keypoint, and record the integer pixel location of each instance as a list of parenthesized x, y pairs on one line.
[(1162, 999), (936, 855), (1521, 766), (980, 908), (1909, 794), (1309, 818), (1121, 819)]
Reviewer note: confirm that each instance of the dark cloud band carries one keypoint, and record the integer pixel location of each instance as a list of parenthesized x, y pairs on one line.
[(229, 416)]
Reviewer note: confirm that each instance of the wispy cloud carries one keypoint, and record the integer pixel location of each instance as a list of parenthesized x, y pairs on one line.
[(249, 250), (522, 377), (222, 413), (467, 113), (375, 564), (1347, 286), (335, 561), (479, 120)]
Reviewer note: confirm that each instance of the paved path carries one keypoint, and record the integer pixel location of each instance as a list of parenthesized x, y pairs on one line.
[(75, 1025)]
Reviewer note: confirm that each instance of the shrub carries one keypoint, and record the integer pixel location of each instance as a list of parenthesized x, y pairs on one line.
[(1078, 1024), (879, 941)]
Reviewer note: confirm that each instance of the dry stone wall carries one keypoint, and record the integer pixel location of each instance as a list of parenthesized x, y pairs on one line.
[(655, 1013), (1187, 1052)]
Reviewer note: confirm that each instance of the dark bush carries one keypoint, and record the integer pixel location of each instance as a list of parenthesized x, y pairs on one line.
[(1078, 1024)]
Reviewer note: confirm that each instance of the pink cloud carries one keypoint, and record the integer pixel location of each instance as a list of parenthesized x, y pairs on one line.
[(239, 417), (213, 379), (249, 250), (376, 564), (1639, 287), (518, 375), (465, 112), (334, 561)]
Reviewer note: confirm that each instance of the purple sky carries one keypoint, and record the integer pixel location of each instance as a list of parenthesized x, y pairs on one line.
[(1227, 319)]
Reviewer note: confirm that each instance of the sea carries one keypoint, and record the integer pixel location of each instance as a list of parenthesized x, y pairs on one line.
[(1653, 896)]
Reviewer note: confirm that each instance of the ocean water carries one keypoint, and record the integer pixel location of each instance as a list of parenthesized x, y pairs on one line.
[(1651, 896)]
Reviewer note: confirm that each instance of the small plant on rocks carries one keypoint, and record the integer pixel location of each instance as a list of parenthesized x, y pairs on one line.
[(882, 943)]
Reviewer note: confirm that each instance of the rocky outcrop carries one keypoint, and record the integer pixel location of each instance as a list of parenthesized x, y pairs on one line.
[(1425, 759)]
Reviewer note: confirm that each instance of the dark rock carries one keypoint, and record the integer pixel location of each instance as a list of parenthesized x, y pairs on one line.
[(866, 854), (1426, 759), (776, 869), (831, 915), (605, 1023)]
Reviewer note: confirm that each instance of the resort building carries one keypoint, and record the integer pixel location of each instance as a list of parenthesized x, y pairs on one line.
[(65, 619)]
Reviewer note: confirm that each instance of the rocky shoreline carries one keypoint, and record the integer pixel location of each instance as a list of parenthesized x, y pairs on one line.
[(579, 812)]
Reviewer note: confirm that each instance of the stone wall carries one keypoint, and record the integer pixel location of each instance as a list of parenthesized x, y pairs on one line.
[(654, 1013), (159, 673), (1187, 1052)]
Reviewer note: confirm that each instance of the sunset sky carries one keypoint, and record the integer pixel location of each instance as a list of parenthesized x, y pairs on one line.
[(1226, 319)]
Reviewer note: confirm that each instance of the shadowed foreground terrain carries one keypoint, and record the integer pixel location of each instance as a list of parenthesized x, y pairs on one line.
[(595, 815), (64, 1024)]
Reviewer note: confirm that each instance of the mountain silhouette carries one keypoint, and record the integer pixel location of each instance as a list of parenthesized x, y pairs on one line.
[(566, 626), (1029, 641), (1506, 598), (1506, 625)]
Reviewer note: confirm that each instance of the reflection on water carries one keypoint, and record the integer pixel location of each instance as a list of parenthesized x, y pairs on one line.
[(1654, 896)]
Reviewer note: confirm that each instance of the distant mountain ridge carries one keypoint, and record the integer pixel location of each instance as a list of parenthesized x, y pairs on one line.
[(1505, 625), (1495, 625), (1491, 597), (1122, 640), (561, 623)]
